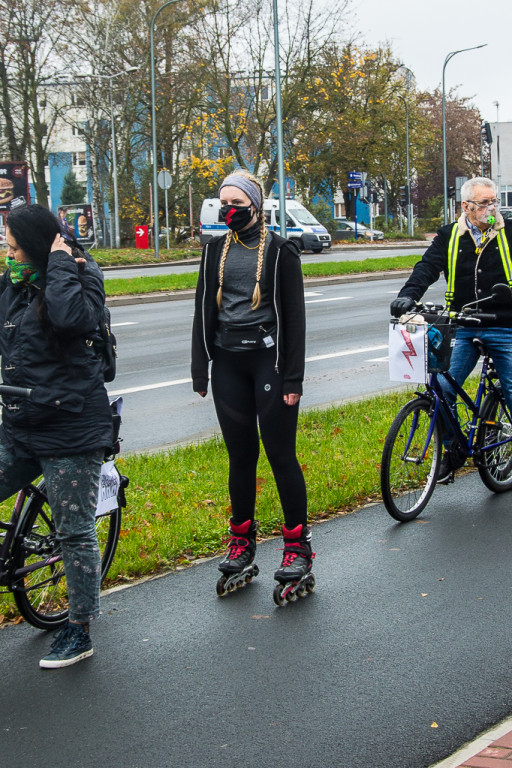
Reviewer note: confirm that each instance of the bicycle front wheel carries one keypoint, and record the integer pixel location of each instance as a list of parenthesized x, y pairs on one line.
[(495, 464), (410, 461), (40, 591)]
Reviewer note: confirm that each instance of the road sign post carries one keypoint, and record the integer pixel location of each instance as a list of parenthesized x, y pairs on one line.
[(355, 181), (165, 183)]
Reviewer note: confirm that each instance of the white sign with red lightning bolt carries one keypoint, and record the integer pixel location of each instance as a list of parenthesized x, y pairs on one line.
[(407, 352)]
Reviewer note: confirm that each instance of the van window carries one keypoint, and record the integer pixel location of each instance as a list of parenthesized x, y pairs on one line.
[(304, 217), (289, 221)]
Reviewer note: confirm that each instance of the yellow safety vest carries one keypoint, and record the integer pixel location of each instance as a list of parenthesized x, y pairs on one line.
[(453, 251)]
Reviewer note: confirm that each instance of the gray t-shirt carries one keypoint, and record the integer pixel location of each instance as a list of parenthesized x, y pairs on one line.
[(238, 287)]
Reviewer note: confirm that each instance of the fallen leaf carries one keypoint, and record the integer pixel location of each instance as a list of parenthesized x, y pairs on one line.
[(424, 594), (434, 725)]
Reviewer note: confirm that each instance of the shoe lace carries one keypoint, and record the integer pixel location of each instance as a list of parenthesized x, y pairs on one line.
[(62, 637), (237, 547), (292, 551)]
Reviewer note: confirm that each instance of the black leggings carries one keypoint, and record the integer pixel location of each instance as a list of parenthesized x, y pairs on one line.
[(246, 390)]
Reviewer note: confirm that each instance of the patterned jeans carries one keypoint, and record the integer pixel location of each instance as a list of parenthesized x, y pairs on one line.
[(72, 486)]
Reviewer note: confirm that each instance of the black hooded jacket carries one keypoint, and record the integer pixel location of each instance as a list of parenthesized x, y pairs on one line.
[(50, 352), (286, 288)]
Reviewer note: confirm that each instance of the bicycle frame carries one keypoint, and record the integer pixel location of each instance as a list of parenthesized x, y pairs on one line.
[(7, 576), (435, 393)]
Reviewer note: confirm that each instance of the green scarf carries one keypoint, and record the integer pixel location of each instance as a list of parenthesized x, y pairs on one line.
[(21, 273)]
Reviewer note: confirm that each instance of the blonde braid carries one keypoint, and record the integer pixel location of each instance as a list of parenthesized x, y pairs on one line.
[(256, 297), (225, 250)]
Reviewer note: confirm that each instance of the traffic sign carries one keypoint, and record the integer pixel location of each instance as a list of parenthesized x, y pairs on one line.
[(355, 184), (355, 176), (164, 180), (141, 236)]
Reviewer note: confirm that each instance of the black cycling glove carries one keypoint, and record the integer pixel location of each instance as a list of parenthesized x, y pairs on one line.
[(401, 305)]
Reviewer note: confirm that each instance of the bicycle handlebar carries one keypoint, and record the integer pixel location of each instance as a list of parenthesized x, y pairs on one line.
[(462, 319), (5, 389), (434, 313)]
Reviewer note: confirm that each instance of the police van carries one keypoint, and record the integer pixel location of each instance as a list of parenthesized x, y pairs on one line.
[(301, 225)]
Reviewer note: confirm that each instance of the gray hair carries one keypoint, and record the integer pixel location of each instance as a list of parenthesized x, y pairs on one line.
[(467, 189)]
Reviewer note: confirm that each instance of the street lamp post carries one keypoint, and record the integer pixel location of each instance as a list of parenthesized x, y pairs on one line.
[(408, 79), (156, 228), (117, 234), (498, 165), (445, 180), (279, 121)]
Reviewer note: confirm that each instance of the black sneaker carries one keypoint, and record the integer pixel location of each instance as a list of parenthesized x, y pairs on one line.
[(72, 643), (445, 474)]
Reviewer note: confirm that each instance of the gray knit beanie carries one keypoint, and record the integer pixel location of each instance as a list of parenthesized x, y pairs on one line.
[(246, 185)]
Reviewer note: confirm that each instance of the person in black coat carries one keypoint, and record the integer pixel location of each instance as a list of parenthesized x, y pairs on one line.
[(473, 254), (51, 302), (250, 323)]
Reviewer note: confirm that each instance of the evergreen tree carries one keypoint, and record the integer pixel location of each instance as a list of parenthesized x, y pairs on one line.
[(72, 191)]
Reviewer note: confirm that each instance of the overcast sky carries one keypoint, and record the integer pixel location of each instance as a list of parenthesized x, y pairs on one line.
[(423, 32)]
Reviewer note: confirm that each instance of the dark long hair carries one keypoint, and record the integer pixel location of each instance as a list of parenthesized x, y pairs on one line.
[(34, 228)]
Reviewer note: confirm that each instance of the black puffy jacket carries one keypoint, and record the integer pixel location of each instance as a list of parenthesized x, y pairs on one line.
[(69, 411)]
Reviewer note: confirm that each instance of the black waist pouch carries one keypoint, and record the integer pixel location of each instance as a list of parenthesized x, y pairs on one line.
[(246, 336)]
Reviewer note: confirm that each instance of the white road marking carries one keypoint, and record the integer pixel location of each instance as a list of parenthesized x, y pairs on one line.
[(345, 353), (335, 298), (118, 325), (377, 359), (147, 387)]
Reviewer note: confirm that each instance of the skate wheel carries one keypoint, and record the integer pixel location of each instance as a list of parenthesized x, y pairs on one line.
[(221, 591), (231, 587), (291, 596), (278, 598), (248, 578), (301, 592), (311, 584)]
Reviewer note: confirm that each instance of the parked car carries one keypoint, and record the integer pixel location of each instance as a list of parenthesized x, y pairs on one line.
[(347, 230), (506, 213)]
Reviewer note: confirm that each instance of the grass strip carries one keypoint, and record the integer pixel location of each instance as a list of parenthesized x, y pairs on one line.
[(107, 257), (188, 280), (178, 502)]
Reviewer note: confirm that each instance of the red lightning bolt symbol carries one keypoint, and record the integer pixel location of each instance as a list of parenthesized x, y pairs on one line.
[(411, 352)]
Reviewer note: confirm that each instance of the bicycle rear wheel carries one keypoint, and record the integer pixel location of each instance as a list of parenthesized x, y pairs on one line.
[(408, 480), (495, 465), (41, 593)]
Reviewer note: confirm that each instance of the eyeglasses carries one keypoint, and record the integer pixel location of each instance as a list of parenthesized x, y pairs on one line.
[(484, 203)]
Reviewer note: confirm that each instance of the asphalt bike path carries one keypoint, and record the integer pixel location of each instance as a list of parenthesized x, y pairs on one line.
[(401, 655)]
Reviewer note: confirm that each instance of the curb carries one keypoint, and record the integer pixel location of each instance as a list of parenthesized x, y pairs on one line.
[(309, 282), (472, 748)]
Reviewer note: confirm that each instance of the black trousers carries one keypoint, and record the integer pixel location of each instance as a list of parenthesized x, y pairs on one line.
[(247, 391)]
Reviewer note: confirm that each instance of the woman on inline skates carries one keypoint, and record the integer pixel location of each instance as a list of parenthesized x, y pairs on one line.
[(250, 322)]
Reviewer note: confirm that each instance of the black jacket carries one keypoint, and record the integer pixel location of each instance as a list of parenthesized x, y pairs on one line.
[(285, 286), (69, 411), (474, 275)]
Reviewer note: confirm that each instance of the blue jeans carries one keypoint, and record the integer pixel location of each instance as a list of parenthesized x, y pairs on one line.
[(498, 342), (72, 487)]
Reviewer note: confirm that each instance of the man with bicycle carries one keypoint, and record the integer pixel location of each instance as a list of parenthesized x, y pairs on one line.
[(474, 254)]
